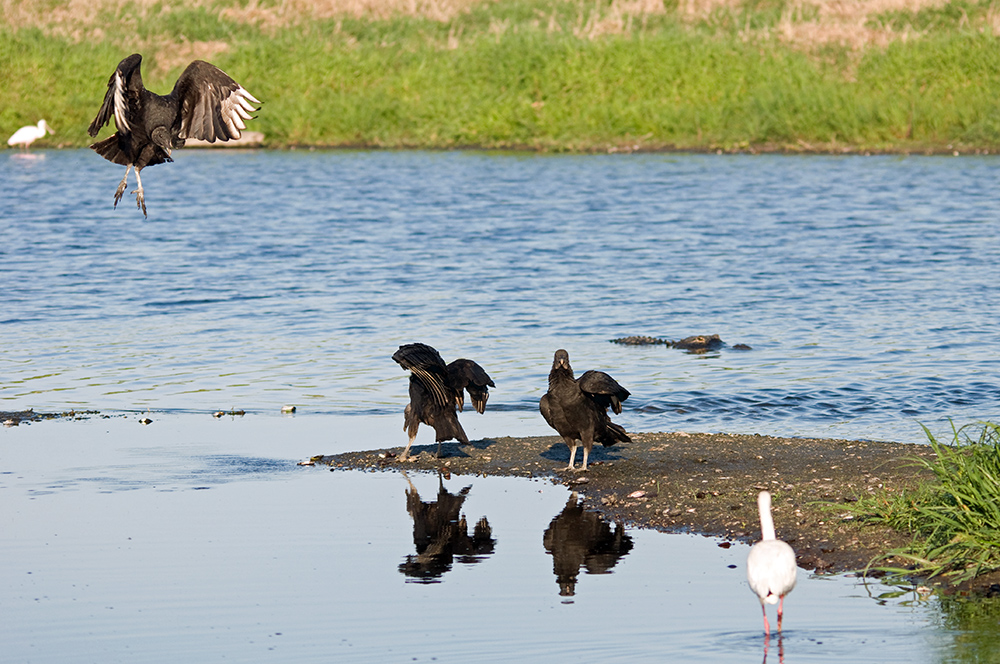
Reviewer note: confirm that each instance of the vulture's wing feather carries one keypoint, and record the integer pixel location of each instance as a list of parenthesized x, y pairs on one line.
[(603, 390), (426, 364), (545, 406), (467, 375), (611, 433), (116, 99), (418, 355), (213, 105)]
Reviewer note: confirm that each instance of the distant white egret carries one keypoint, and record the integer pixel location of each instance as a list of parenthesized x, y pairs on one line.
[(25, 136), (770, 565)]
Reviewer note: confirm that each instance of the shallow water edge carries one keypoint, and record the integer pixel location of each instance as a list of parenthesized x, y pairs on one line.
[(674, 482), (194, 537)]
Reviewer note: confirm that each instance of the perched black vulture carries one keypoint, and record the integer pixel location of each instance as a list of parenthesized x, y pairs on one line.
[(437, 390), (578, 537), (205, 104), (577, 408)]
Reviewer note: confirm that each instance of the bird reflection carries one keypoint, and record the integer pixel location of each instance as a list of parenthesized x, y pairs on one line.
[(582, 538), (441, 534), (781, 650)]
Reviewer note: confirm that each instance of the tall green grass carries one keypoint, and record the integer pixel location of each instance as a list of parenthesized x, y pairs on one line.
[(502, 76), (955, 519)]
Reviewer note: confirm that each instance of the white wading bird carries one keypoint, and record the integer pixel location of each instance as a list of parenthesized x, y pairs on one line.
[(25, 136), (770, 565)]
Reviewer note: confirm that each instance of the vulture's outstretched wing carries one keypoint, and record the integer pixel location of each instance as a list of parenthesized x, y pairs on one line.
[(603, 390), (213, 105), (426, 364), (467, 375), (121, 90)]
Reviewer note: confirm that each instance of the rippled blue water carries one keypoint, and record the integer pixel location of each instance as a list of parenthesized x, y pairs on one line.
[(867, 286)]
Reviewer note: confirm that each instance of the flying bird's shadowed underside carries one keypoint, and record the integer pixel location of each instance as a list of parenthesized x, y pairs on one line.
[(205, 104)]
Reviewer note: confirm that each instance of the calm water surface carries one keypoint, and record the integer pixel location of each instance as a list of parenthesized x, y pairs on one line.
[(189, 540), (866, 286)]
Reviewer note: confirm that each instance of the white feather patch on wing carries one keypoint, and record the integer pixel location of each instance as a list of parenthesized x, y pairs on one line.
[(243, 93), (233, 110), (121, 105)]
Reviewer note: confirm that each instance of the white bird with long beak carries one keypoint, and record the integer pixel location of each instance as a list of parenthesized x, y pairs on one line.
[(770, 565), (25, 136)]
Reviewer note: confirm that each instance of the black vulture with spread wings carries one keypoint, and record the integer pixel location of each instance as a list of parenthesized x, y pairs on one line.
[(577, 408), (205, 104), (437, 392)]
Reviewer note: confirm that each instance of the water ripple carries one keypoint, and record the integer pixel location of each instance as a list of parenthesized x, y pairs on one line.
[(866, 286)]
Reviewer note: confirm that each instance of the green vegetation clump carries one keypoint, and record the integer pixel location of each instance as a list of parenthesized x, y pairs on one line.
[(955, 519), (538, 74)]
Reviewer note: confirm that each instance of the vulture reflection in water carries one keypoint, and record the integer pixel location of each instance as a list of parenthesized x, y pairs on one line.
[(577, 538), (440, 534)]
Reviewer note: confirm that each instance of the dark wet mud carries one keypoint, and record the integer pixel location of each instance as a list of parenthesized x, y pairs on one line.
[(704, 483)]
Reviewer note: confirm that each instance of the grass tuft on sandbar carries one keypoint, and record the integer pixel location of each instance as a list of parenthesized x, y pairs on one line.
[(955, 518)]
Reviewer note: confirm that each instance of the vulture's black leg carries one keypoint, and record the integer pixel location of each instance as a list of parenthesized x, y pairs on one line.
[(122, 185)]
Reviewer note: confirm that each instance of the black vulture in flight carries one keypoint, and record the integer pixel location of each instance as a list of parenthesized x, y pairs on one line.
[(577, 408), (205, 104), (437, 390)]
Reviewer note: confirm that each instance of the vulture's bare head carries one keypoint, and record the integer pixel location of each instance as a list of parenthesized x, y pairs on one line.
[(561, 360)]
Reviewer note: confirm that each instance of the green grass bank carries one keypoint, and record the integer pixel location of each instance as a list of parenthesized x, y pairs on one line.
[(954, 518), (553, 75)]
